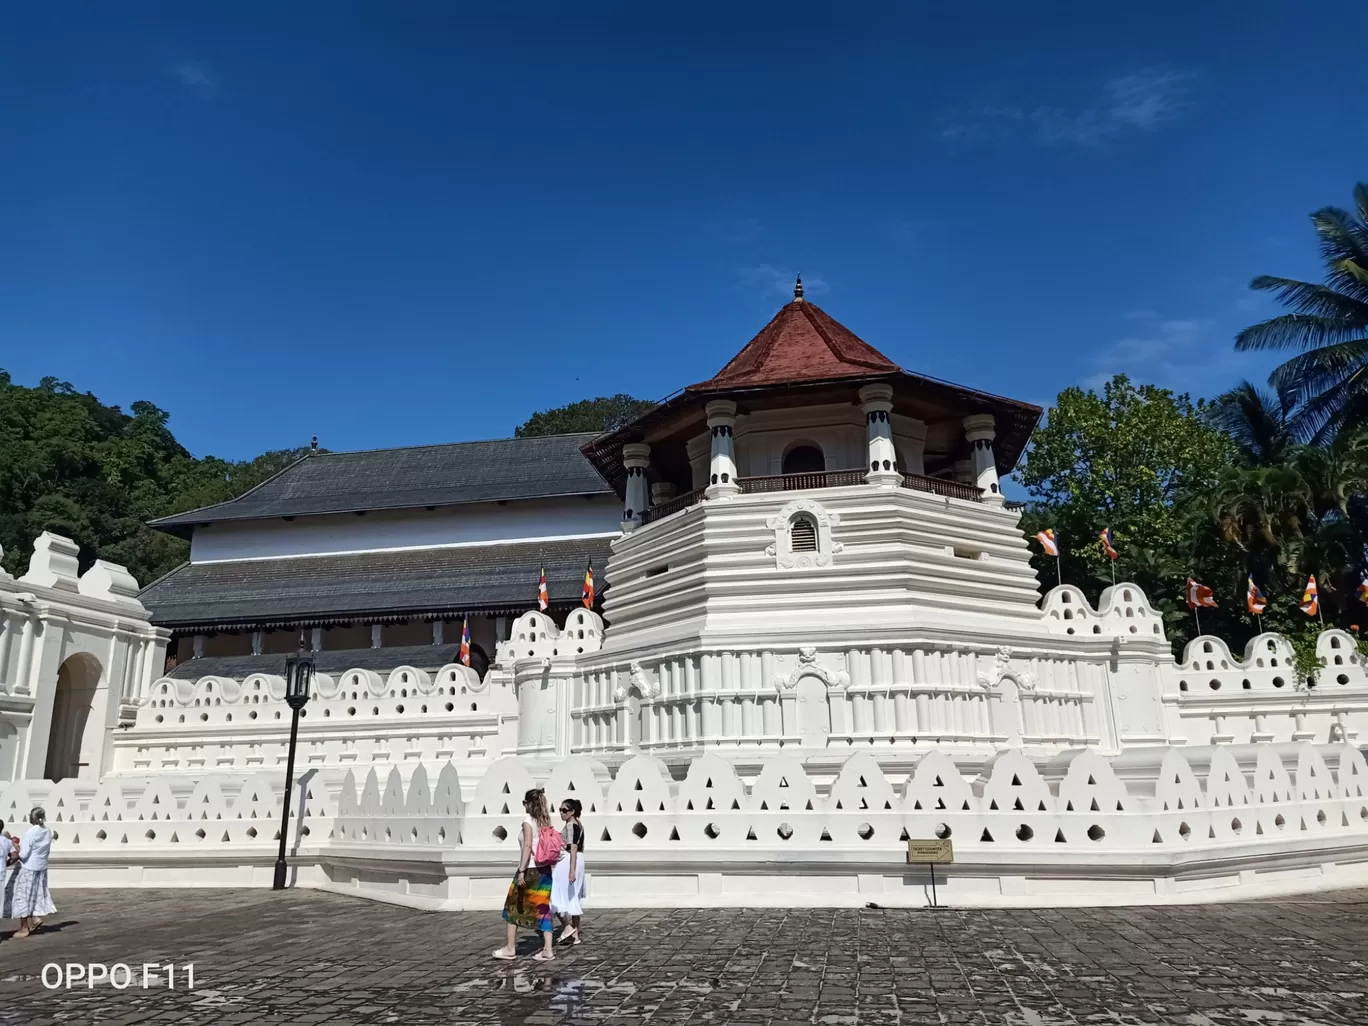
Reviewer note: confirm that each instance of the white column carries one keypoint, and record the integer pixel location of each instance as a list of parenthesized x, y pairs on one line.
[(377, 633), (6, 638), (437, 632), (316, 640), (197, 646), (722, 464), (661, 492), (256, 642), (980, 431), (881, 458), (636, 457), (964, 471), (500, 628)]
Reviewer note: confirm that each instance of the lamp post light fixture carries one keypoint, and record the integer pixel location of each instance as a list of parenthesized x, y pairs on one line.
[(299, 672)]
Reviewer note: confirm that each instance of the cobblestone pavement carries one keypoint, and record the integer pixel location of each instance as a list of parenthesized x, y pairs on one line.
[(305, 957)]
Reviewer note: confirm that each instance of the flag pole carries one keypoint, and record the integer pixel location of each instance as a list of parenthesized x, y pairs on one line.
[(1197, 615), (1059, 570), (1113, 570), (1259, 620)]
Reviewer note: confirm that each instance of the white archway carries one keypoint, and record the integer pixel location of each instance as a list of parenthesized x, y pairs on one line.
[(74, 731)]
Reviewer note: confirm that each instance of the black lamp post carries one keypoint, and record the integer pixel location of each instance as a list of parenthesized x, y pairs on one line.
[(299, 671)]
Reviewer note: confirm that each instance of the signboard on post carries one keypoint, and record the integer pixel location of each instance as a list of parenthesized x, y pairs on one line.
[(931, 852)]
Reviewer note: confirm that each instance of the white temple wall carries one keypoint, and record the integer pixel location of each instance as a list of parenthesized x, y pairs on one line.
[(475, 524), (76, 654), (1152, 827), (764, 437), (403, 719)]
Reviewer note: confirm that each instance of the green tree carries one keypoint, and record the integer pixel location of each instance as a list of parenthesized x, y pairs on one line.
[(1127, 458), (601, 415), (1329, 324), (72, 465)]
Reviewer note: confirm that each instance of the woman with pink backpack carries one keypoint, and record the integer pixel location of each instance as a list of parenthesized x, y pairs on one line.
[(529, 895)]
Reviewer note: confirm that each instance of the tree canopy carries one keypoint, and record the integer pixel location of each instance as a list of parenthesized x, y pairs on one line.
[(601, 415), (1327, 384), (75, 466)]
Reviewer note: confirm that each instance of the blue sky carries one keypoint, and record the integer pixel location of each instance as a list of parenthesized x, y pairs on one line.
[(407, 223)]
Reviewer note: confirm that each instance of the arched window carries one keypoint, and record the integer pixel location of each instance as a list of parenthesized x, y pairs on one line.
[(804, 459), (802, 534)]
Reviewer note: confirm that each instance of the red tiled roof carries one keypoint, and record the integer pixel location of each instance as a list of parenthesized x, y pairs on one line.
[(802, 343)]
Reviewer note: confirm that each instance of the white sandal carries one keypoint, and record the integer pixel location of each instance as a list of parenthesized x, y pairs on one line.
[(504, 956)]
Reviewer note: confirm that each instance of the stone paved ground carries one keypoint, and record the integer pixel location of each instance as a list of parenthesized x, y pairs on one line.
[(303, 958)]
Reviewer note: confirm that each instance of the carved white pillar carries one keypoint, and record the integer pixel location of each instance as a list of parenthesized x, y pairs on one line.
[(437, 627), (377, 634), (964, 471), (316, 640), (197, 646), (881, 458), (6, 639), (980, 431), (661, 493), (256, 642), (636, 457), (722, 464)]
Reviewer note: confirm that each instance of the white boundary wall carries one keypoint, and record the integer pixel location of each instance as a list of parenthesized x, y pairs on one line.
[(1154, 826)]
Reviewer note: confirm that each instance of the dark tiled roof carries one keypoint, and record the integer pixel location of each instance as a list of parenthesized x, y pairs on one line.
[(494, 579), (802, 343), (422, 657), (425, 475)]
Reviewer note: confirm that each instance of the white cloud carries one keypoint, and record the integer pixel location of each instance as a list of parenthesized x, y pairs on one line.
[(769, 280), (1137, 102), (196, 76), (1187, 355)]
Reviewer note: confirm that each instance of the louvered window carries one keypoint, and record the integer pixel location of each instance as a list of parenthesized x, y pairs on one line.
[(803, 534)]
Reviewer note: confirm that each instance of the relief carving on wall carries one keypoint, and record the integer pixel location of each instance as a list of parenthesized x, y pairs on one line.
[(781, 548), (642, 684), (1002, 667), (808, 666)]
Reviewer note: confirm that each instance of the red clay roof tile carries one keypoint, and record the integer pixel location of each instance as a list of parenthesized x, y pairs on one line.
[(802, 343)]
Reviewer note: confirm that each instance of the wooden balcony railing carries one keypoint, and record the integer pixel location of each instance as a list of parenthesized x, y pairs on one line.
[(819, 479), (672, 506), (799, 482), (940, 486)]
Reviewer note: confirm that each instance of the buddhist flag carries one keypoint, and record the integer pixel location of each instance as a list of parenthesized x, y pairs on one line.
[(1199, 595), (543, 598), (1047, 541), (589, 586), (1310, 603), (1363, 590), (1254, 599), (465, 641), (1108, 549)]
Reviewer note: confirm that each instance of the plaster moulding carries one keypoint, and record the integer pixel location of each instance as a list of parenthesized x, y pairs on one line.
[(782, 547), (1002, 668), (808, 666)]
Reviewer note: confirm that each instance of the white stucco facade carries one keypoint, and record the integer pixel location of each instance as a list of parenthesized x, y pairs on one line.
[(386, 530), (749, 705)]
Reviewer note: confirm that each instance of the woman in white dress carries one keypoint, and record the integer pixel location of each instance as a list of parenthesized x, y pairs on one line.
[(567, 877), (32, 900)]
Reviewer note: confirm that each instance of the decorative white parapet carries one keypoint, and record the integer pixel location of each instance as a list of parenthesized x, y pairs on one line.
[(1154, 825), (404, 718)]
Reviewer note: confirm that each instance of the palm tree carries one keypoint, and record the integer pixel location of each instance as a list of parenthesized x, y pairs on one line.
[(1257, 422), (1328, 381)]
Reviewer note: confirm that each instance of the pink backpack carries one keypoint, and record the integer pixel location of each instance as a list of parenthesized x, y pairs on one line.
[(550, 844)]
